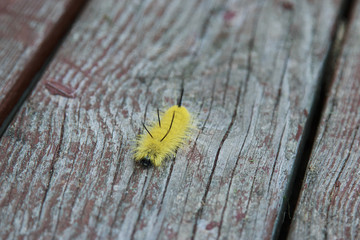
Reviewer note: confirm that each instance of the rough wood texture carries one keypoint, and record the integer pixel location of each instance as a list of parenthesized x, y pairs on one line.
[(250, 71), (329, 205), (29, 30)]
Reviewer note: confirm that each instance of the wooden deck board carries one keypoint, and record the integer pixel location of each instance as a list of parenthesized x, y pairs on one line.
[(29, 31), (329, 204), (250, 72)]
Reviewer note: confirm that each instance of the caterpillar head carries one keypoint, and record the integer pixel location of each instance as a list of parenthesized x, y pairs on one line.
[(146, 162)]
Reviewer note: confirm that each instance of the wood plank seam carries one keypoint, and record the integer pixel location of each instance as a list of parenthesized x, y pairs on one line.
[(249, 174), (31, 74), (307, 142)]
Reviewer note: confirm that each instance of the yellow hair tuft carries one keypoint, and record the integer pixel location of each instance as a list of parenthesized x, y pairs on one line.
[(163, 137)]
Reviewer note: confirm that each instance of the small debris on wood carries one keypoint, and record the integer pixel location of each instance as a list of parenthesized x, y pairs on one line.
[(212, 225), (287, 5), (57, 88)]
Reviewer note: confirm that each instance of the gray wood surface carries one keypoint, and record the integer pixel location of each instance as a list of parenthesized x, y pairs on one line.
[(29, 31), (250, 70), (329, 204)]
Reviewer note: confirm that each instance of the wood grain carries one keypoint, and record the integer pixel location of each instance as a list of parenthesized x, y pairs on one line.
[(329, 205), (250, 72), (29, 31)]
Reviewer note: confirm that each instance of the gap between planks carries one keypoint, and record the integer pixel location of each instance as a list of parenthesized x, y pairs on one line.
[(325, 81), (45, 57)]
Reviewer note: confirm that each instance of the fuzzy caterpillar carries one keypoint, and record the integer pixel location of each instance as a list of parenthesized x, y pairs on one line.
[(164, 137)]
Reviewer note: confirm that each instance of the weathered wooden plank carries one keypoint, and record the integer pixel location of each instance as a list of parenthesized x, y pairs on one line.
[(250, 71), (329, 204), (29, 30)]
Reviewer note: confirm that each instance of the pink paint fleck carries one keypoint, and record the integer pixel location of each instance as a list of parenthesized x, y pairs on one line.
[(228, 15), (240, 216), (212, 225), (299, 131), (125, 113), (135, 104), (305, 112), (57, 88), (287, 5)]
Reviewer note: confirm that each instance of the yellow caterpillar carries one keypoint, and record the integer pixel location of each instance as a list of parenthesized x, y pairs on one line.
[(164, 137)]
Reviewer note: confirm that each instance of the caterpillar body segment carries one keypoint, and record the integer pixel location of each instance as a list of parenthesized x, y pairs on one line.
[(163, 137)]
